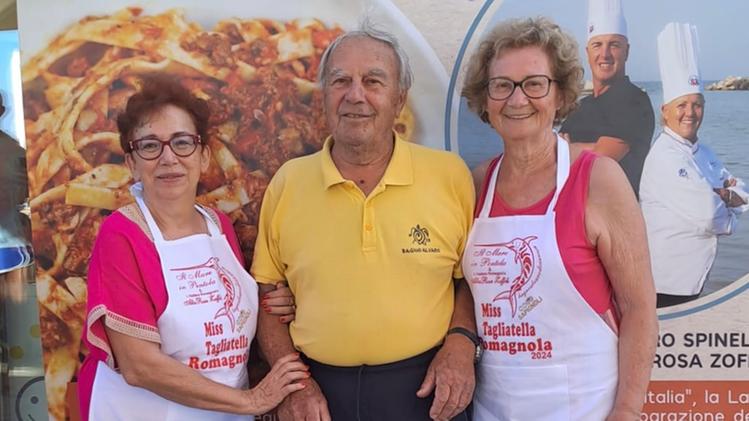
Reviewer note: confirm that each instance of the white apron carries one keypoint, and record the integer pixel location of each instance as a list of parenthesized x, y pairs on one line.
[(208, 324), (547, 354)]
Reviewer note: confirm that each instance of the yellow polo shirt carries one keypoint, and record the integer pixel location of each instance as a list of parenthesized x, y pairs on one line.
[(372, 276)]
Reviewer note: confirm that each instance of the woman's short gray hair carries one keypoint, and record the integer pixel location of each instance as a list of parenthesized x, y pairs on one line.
[(369, 30), (560, 47)]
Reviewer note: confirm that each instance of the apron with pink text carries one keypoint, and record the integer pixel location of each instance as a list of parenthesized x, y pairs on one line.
[(547, 355), (208, 324)]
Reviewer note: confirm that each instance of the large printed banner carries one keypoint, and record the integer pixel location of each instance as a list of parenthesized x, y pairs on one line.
[(701, 369), (255, 62)]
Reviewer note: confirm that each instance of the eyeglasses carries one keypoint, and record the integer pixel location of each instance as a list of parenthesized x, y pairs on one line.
[(151, 147), (534, 87)]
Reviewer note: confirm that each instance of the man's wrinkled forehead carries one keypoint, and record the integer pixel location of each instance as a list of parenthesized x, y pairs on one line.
[(608, 39), (375, 71), (383, 63)]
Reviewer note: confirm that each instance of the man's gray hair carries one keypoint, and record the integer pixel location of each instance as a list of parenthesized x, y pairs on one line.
[(368, 30)]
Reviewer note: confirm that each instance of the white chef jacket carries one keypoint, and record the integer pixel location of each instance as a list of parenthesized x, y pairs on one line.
[(683, 215)]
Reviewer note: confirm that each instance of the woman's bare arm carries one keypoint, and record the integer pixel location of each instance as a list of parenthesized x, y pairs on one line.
[(142, 364), (616, 228)]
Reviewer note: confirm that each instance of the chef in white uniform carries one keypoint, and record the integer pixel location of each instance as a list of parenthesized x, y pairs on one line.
[(688, 197)]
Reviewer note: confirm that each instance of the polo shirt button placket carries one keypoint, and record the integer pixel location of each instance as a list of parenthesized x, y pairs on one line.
[(368, 231)]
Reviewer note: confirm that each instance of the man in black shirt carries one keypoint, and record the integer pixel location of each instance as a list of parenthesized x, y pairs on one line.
[(617, 119)]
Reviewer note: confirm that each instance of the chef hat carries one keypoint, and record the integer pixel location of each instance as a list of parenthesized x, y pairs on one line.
[(677, 60), (606, 17)]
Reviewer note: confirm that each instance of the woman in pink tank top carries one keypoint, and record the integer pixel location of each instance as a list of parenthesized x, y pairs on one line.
[(557, 259)]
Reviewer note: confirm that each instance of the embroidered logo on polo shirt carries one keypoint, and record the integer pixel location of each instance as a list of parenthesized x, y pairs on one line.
[(683, 173), (420, 236)]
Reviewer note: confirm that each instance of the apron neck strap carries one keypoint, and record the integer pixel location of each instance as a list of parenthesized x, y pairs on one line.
[(214, 230), (489, 196), (152, 226), (563, 171), (210, 221)]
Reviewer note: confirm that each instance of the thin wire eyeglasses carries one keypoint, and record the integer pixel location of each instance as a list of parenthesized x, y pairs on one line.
[(151, 147), (533, 86)]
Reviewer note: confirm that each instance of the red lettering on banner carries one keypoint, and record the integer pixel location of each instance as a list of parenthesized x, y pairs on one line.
[(696, 400)]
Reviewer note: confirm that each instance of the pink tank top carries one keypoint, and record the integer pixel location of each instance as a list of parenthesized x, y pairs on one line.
[(579, 257)]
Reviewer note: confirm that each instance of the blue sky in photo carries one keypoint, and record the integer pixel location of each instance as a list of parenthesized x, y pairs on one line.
[(723, 28)]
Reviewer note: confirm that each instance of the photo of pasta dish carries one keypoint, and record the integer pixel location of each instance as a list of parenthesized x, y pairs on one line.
[(258, 76)]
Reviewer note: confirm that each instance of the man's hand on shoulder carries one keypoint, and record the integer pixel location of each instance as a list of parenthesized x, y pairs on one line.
[(451, 377), (308, 404)]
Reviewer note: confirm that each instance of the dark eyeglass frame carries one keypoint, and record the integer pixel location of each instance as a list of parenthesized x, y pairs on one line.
[(515, 85), (196, 137)]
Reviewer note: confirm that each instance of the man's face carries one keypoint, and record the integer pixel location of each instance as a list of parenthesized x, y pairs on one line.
[(607, 55), (362, 96), (684, 114)]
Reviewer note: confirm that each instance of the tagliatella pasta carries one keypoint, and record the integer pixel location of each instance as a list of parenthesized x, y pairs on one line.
[(258, 76)]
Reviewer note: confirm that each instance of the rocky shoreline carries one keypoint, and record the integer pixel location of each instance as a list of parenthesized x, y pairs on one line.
[(731, 83)]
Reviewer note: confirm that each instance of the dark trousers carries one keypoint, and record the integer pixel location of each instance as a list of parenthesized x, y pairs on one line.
[(376, 392), (666, 300)]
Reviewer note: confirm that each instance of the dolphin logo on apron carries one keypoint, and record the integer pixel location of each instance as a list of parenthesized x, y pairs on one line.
[(233, 291), (524, 255)]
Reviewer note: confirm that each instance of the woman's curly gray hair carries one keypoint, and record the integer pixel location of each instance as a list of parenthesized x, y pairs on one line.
[(560, 47)]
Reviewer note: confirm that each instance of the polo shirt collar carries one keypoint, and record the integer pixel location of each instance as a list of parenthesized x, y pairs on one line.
[(399, 171)]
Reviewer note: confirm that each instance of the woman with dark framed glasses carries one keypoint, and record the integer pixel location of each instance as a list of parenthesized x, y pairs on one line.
[(171, 310), (181, 144), (557, 258)]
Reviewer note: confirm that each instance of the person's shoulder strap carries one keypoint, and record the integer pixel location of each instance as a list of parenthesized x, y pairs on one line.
[(482, 194)]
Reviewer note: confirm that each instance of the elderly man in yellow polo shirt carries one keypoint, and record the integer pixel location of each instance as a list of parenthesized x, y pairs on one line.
[(369, 233)]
